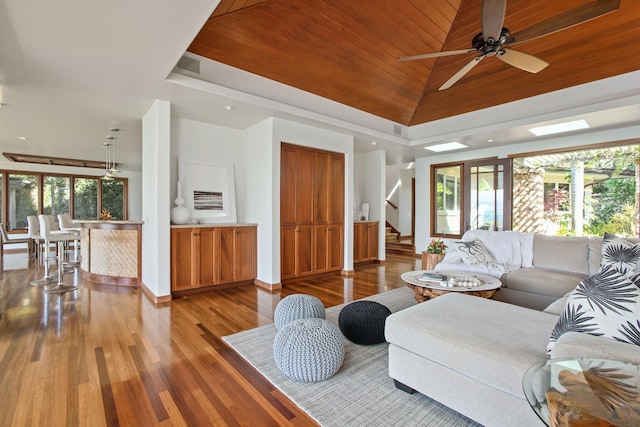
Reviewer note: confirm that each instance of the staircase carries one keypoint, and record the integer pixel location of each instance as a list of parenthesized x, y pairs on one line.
[(392, 236), (398, 247)]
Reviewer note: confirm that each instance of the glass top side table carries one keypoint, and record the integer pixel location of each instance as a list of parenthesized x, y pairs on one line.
[(585, 392)]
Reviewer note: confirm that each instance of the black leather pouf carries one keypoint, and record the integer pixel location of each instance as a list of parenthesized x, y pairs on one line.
[(362, 322)]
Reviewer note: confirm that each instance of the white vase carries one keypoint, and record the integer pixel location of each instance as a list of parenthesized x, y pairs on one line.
[(180, 214)]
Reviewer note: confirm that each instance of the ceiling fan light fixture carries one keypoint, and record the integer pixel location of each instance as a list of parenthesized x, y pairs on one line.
[(445, 147), (560, 128)]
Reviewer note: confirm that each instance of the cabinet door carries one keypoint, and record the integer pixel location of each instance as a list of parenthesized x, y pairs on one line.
[(321, 199), (304, 247), (304, 188), (206, 259), (226, 237), (182, 255), (245, 253), (288, 251), (360, 242), (336, 190), (372, 241), (320, 249), (335, 243), (288, 178)]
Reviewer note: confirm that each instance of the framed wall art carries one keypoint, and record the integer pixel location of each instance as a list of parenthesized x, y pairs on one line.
[(209, 190)]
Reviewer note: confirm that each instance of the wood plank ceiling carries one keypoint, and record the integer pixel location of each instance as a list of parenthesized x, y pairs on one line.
[(348, 51)]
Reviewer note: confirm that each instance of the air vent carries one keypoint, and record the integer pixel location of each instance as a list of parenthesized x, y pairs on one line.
[(189, 64), (397, 129)]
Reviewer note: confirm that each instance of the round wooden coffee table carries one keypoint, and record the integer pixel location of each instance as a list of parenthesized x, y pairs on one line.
[(426, 286)]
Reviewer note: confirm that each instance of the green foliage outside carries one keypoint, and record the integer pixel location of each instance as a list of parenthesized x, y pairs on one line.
[(24, 194)]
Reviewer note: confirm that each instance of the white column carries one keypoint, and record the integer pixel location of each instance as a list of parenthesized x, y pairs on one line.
[(156, 203)]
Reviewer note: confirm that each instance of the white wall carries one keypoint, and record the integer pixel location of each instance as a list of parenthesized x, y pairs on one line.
[(156, 237), (262, 157), (423, 166), (405, 201), (370, 178), (193, 140)]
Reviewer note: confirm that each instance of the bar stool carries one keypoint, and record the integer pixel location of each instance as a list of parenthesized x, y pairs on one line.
[(66, 225), (6, 239), (60, 239), (42, 249)]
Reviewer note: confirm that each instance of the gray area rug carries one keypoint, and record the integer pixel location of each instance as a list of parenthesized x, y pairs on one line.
[(361, 393)]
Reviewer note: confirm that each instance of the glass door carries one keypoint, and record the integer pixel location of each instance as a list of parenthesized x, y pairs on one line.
[(487, 195)]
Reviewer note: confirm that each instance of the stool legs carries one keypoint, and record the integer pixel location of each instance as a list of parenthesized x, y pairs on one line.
[(60, 286), (47, 278)]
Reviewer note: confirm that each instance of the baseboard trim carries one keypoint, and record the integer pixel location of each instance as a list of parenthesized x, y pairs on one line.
[(152, 297), (347, 273), (268, 286)]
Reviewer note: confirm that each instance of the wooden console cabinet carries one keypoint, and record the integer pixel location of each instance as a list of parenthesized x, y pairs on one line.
[(365, 241), (207, 256)]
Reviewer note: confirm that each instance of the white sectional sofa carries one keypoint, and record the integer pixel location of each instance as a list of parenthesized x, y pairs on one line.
[(471, 353), (535, 269)]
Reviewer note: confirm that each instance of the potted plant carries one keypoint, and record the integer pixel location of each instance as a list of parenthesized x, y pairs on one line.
[(433, 254)]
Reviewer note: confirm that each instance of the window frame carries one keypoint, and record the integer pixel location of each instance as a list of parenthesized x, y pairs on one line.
[(40, 180)]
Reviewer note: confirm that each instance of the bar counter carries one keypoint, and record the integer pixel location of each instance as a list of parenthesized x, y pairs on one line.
[(111, 252)]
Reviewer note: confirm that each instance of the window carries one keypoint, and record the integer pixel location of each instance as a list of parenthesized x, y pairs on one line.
[(85, 198), (22, 200), (581, 192), (472, 195), (29, 193), (447, 199)]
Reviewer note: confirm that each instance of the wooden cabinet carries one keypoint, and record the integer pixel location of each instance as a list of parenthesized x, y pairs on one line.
[(208, 256), (237, 249), (365, 241), (311, 211)]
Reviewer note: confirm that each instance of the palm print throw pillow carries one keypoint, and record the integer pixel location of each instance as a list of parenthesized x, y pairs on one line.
[(606, 304), (620, 254)]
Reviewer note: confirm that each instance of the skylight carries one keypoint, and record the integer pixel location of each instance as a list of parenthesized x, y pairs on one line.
[(559, 128), (446, 147)]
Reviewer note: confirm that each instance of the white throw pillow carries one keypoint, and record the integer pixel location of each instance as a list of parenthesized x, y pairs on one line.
[(620, 254), (606, 304), (473, 252)]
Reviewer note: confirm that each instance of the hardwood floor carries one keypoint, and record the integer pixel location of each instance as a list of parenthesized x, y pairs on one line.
[(104, 355)]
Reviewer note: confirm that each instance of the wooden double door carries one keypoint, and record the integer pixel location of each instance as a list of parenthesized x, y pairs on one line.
[(311, 211)]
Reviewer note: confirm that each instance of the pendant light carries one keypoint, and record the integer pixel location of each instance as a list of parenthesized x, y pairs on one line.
[(110, 156)]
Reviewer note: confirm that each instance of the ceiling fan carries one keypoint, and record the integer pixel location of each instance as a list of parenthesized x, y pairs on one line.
[(494, 37)]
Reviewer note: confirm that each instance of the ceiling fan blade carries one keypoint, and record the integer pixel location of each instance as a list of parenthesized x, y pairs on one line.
[(436, 54), (524, 61), (568, 19), (464, 70), (493, 18)]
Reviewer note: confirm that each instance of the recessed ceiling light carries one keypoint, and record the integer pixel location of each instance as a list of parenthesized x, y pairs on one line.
[(489, 140), (22, 138), (373, 143), (559, 128), (446, 147), (228, 107)]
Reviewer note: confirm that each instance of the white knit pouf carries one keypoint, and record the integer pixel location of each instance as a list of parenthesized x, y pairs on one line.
[(297, 306), (309, 349)]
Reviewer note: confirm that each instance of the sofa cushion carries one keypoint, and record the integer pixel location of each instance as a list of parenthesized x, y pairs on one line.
[(561, 253), (621, 254), (489, 341), (576, 344), (473, 252), (542, 281), (606, 304)]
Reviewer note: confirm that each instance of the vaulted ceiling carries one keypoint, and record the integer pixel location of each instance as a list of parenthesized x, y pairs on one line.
[(348, 51)]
